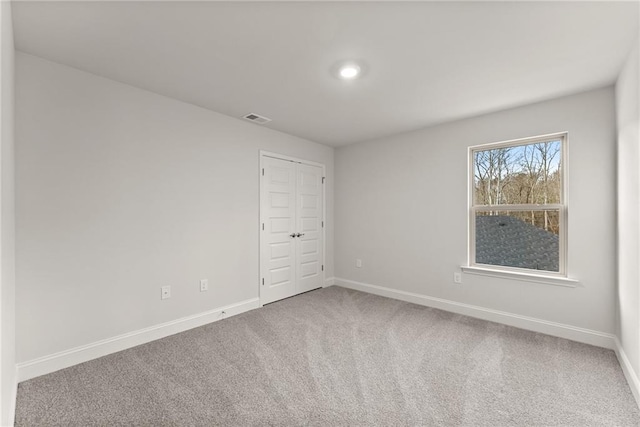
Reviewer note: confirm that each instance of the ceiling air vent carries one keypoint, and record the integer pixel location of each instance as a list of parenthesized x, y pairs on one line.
[(255, 118)]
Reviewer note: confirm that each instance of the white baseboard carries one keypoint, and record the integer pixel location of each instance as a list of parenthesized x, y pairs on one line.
[(64, 359), (14, 397), (587, 336), (329, 281), (629, 373)]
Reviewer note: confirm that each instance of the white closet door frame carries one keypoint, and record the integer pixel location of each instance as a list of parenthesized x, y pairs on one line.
[(279, 156)]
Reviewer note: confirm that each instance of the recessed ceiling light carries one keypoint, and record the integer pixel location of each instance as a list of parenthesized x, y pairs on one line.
[(349, 71)]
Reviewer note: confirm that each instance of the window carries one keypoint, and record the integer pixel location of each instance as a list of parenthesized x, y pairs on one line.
[(517, 218)]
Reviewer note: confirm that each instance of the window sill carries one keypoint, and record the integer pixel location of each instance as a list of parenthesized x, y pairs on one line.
[(524, 277)]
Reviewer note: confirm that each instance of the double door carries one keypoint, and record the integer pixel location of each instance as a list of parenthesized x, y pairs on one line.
[(291, 239)]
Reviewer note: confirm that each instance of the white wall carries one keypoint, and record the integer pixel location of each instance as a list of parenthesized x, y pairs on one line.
[(628, 113), (401, 207), (121, 191), (7, 221)]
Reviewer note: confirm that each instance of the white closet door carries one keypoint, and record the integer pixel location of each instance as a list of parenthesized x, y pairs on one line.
[(291, 240), (278, 241), (309, 228)]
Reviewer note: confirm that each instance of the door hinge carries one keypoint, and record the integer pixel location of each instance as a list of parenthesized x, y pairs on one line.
[(263, 226), (323, 179), (263, 281), (323, 268), (322, 224), (262, 171)]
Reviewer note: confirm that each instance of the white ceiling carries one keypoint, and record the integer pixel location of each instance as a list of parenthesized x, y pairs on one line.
[(425, 62)]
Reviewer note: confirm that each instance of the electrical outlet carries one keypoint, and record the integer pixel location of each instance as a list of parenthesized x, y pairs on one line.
[(457, 277), (204, 285), (358, 263), (165, 292)]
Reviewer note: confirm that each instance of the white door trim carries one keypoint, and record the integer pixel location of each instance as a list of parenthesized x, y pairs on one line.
[(261, 219), (264, 153)]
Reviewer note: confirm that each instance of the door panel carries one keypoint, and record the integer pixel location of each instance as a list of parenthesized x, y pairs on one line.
[(309, 222), (278, 211)]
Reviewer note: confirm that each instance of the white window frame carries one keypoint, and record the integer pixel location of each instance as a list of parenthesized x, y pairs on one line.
[(560, 277)]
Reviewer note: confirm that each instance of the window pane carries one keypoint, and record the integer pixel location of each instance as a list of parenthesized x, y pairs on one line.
[(521, 174), (522, 239)]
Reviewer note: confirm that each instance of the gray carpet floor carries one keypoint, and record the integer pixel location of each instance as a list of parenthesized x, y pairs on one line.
[(339, 357)]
